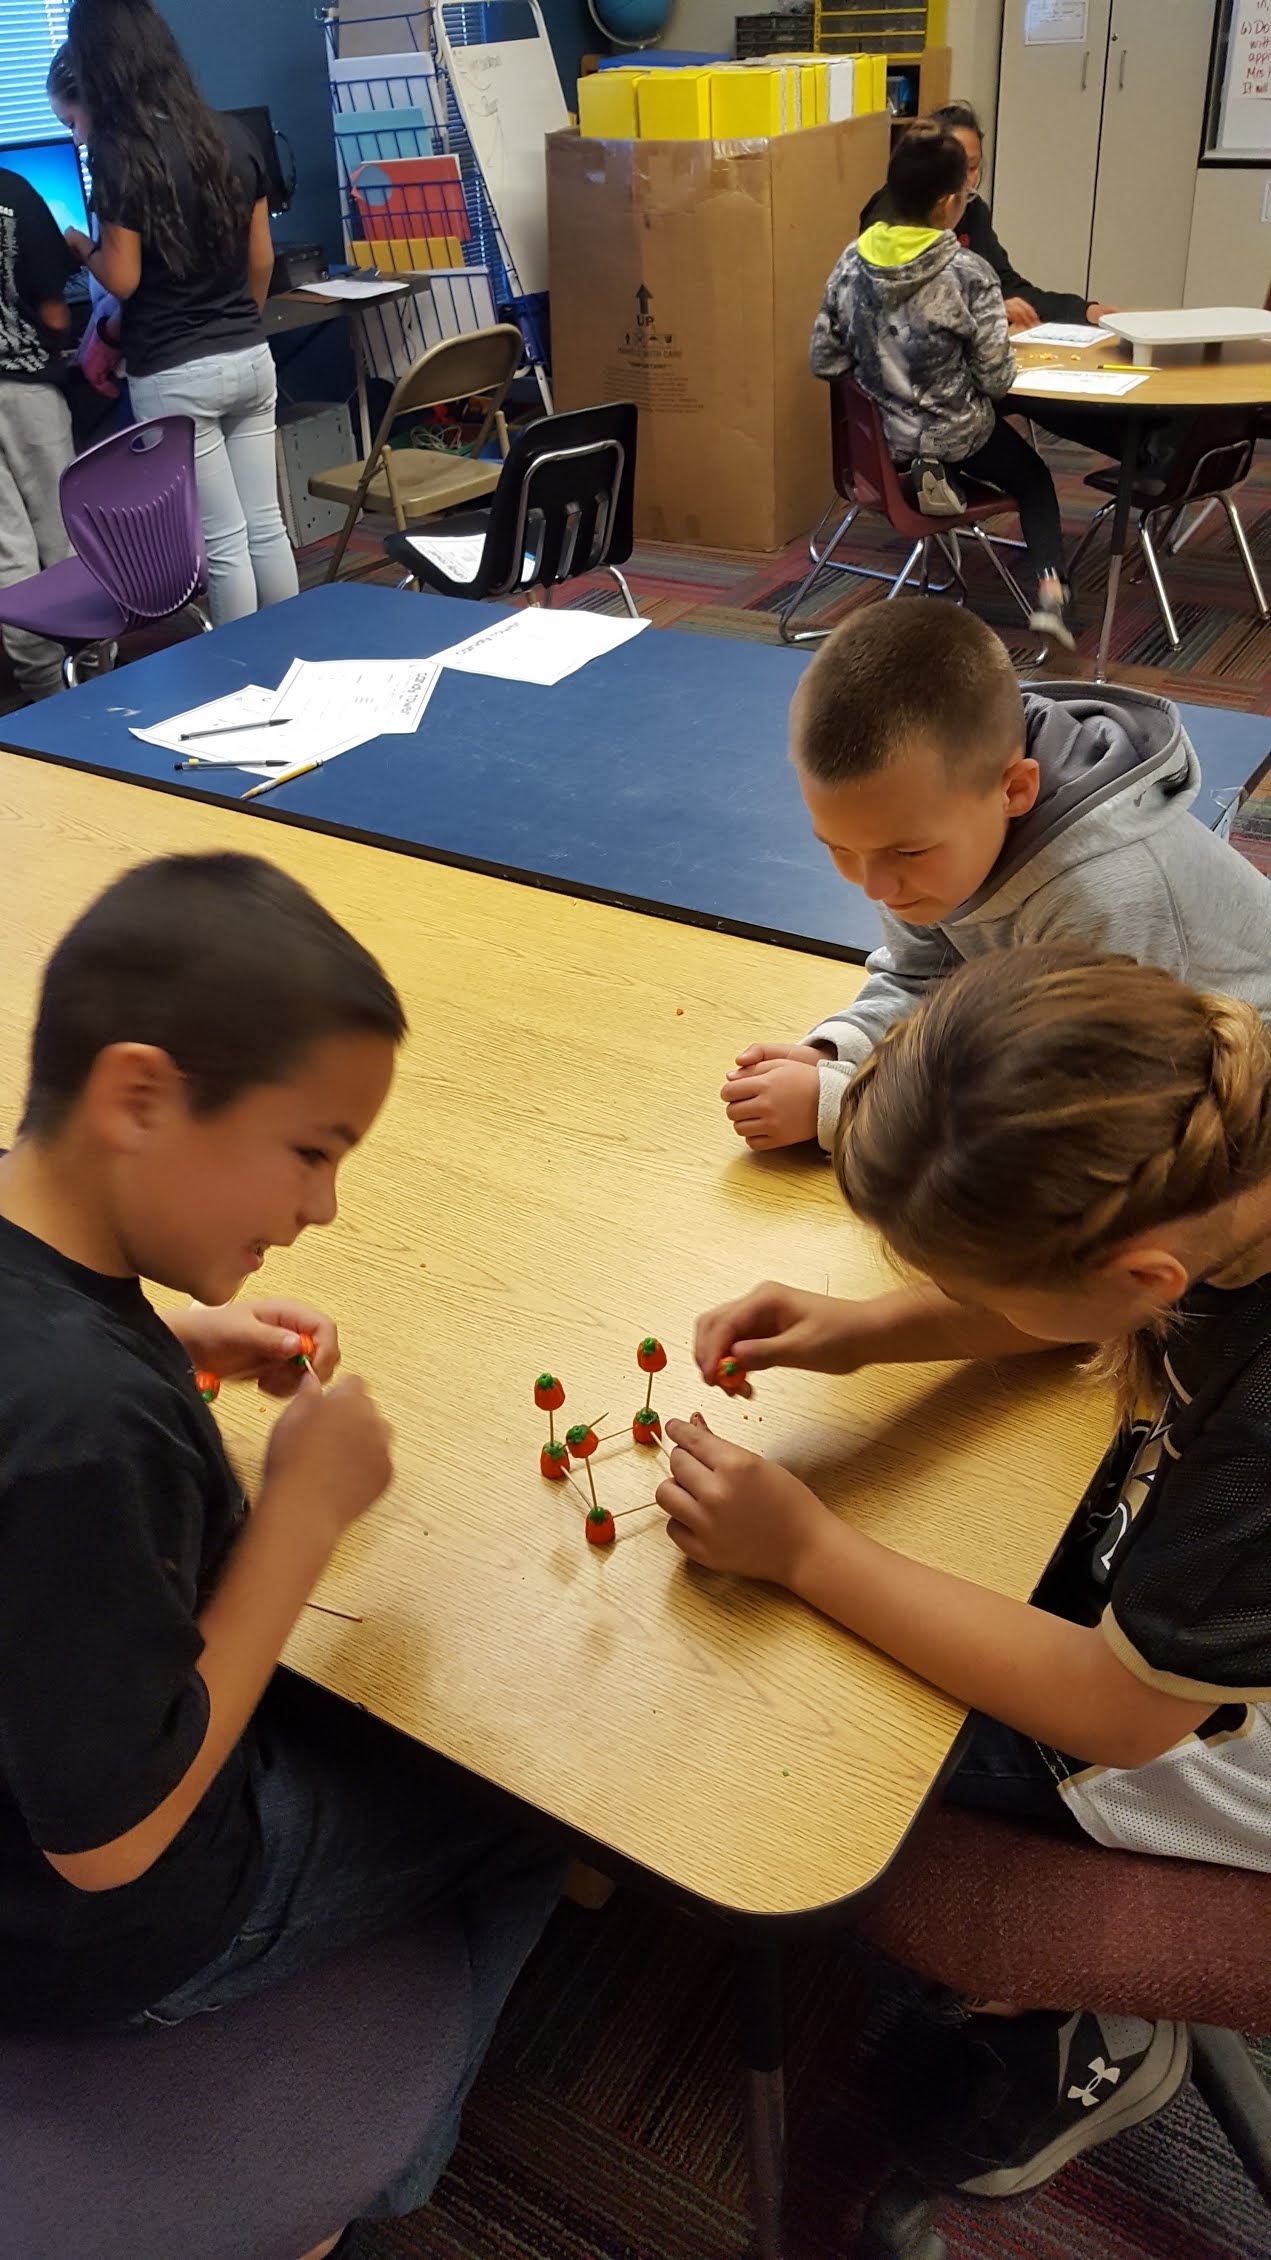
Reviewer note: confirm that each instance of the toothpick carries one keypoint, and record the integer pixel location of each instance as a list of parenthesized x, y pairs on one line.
[(326, 1611)]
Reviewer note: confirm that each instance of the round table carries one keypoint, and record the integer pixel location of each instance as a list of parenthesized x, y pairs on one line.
[(1239, 378)]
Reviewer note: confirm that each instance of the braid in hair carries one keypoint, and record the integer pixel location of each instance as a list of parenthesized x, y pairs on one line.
[(1046, 1107)]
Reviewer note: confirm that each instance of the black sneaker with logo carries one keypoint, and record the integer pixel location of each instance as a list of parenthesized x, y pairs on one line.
[(1007, 2101)]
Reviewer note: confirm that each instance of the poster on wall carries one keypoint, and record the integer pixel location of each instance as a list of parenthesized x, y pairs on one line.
[(1055, 23), (1244, 126)]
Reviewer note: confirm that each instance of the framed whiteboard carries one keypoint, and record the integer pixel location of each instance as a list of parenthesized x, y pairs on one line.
[(1238, 107)]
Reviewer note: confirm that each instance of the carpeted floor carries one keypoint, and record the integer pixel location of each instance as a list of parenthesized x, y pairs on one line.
[(606, 2125)]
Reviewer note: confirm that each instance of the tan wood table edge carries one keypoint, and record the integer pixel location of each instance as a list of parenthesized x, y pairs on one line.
[(1241, 379), (553, 1178)]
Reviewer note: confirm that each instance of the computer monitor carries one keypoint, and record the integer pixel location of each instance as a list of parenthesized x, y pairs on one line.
[(52, 167), (260, 125)]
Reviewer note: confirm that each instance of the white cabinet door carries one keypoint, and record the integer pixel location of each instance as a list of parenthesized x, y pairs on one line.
[(1158, 57), (1051, 101)]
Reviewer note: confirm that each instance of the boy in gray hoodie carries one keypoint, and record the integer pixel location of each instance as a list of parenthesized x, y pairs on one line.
[(977, 816), (920, 324)]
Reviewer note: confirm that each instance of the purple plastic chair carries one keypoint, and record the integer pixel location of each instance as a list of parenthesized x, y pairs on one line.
[(251, 2134), (131, 509)]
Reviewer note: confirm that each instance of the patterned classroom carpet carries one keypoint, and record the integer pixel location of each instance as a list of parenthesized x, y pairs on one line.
[(1225, 653), (606, 2124)]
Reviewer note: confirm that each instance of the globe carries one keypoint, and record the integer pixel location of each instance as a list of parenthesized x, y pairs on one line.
[(630, 23)]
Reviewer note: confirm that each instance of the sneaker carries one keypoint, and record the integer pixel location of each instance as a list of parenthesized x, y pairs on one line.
[(938, 496), (1048, 619), (1012, 2099)]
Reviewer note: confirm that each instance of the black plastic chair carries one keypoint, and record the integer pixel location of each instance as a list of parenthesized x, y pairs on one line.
[(562, 507)]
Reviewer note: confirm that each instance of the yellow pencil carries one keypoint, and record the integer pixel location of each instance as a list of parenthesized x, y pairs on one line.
[(284, 777), (1125, 369)]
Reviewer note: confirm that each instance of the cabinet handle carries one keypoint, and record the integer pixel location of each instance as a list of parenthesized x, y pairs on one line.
[(1085, 70), (1121, 73)]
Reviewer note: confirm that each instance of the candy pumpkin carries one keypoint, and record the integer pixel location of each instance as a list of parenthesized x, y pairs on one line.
[(730, 1373), (601, 1529), (646, 1427), (549, 1394), (650, 1355), (553, 1462), (209, 1388)]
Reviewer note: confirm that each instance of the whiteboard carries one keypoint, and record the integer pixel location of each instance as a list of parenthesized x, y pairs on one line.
[(510, 96), (1244, 126)]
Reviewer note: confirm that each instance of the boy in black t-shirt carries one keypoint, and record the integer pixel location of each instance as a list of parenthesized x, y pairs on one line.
[(35, 422), (180, 1824)]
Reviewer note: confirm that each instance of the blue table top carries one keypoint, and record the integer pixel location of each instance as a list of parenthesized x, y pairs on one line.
[(654, 777)]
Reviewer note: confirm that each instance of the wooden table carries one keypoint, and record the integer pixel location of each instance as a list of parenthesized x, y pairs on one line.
[(1241, 379), (553, 1178)]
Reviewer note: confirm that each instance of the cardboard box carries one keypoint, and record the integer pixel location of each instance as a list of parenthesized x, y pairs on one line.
[(674, 106), (687, 277)]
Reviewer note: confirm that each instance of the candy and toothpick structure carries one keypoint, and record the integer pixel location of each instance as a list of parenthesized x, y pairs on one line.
[(583, 1439)]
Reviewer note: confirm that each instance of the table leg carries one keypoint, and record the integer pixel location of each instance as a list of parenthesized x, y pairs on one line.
[(1120, 527), (757, 1976), (359, 363)]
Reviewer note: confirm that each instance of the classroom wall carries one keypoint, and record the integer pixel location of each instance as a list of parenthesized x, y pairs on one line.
[(244, 51), (1229, 260)]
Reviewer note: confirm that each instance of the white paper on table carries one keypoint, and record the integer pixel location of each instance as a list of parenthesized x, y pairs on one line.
[(374, 697), (250, 703), (1055, 23), (1060, 333), (1106, 384), (353, 286), (537, 646)]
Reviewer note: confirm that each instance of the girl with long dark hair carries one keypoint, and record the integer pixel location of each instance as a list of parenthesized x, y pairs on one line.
[(179, 195)]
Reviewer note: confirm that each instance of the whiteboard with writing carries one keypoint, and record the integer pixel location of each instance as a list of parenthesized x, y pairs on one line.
[(1244, 128), (510, 95)]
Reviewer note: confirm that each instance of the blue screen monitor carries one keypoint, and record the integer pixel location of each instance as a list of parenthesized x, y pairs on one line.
[(52, 167)]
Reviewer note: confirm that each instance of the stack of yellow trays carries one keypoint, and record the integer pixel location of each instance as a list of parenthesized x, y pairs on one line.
[(730, 101)]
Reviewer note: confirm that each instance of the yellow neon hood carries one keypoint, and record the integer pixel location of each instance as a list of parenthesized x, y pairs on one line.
[(893, 244)]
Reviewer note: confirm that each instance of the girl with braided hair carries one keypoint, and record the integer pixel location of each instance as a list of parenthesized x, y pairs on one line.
[(1069, 1150)]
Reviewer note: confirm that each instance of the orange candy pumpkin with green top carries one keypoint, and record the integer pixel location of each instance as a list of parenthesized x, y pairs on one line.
[(646, 1427), (553, 1462), (650, 1355), (601, 1528), (209, 1388), (731, 1375), (549, 1393), (582, 1441)]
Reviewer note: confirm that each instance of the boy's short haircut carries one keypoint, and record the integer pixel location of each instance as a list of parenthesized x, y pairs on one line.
[(894, 675), (221, 961), (926, 165)]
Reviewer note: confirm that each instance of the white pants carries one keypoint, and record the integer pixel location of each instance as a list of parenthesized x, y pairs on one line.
[(35, 448), (231, 397)]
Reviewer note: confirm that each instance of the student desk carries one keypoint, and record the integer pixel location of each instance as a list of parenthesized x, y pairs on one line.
[(289, 310), (553, 1178), (654, 777), (1242, 379)]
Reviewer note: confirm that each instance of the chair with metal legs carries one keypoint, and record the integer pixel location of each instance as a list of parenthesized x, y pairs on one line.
[(1215, 458), (865, 478)]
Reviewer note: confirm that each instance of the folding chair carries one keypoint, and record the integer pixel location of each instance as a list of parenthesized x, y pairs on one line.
[(414, 483)]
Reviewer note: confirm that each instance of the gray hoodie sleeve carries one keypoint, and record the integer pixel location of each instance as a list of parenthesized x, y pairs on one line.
[(990, 358), (831, 353), (900, 975)]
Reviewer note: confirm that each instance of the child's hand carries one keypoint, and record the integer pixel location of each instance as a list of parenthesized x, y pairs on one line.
[(330, 1455), (80, 246), (1020, 315), (775, 1325), (257, 1342), (755, 1054), (731, 1510), (775, 1102)]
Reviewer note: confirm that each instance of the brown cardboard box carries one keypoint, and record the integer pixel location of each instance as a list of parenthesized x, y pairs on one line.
[(686, 276)]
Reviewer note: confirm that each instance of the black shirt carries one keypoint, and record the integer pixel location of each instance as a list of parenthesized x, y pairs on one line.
[(171, 319), (1172, 1554), (976, 233), (35, 266), (117, 1506)]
